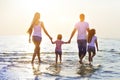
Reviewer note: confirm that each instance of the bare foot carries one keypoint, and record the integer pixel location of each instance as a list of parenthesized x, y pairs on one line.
[(80, 62), (32, 62)]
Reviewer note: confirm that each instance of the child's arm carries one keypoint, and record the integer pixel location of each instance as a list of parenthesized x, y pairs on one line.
[(52, 41), (96, 44), (66, 42)]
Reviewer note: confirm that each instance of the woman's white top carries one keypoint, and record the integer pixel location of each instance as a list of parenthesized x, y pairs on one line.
[(37, 30)]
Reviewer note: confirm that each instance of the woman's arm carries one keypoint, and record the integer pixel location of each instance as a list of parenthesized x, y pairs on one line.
[(30, 32), (52, 41), (29, 38), (45, 30)]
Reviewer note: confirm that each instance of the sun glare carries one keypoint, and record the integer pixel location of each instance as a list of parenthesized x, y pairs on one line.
[(63, 19)]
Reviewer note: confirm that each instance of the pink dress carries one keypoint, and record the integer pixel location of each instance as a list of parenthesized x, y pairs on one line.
[(58, 47)]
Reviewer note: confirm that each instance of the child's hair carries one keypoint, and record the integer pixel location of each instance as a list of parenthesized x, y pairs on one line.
[(59, 36), (91, 33)]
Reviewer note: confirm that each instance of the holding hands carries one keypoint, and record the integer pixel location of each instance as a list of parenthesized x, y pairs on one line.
[(69, 41)]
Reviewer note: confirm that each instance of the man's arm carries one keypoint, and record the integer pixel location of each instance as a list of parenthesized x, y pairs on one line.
[(72, 34)]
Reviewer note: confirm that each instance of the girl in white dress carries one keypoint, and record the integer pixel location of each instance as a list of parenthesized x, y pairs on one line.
[(92, 44)]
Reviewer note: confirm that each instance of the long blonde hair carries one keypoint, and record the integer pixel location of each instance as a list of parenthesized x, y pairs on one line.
[(36, 17)]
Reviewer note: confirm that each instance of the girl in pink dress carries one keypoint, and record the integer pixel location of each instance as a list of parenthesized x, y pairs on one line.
[(58, 48)]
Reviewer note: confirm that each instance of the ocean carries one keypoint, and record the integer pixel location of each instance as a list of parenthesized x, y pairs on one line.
[(16, 54)]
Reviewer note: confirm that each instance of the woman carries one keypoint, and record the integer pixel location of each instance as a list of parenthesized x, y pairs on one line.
[(35, 31)]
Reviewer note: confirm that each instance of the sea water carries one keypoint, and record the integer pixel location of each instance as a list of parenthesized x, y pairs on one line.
[(16, 51)]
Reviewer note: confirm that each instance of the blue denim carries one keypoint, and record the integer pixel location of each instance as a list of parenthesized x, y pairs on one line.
[(82, 44)]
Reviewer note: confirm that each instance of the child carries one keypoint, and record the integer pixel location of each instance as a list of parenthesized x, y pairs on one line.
[(92, 41), (58, 49)]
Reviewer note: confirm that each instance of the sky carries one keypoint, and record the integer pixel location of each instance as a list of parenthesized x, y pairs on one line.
[(60, 16)]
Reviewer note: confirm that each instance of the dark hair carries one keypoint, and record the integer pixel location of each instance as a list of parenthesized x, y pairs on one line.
[(91, 33), (59, 36)]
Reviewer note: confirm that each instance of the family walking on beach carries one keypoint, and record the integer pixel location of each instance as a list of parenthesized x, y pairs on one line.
[(81, 27)]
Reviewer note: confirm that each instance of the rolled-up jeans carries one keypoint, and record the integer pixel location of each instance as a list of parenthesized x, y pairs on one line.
[(82, 44)]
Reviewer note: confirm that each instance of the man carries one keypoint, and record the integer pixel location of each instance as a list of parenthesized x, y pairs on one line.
[(82, 27)]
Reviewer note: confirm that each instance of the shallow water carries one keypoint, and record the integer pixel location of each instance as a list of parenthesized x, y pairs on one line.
[(104, 67), (15, 62)]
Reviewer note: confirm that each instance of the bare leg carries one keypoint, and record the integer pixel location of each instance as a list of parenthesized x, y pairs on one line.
[(60, 58), (33, 57), (89, 58), (38, 54), (36, 50), (56, 57), (93, 56)]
